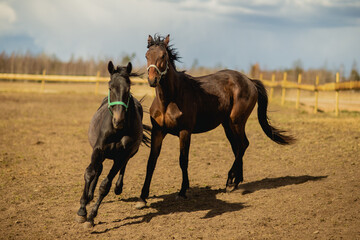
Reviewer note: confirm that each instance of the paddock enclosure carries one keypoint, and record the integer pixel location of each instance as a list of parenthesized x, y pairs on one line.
[(308, 190)]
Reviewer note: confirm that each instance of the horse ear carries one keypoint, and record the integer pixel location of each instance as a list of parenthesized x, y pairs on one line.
[(167, 40), (111, 67), (129, 68), (150, 41)]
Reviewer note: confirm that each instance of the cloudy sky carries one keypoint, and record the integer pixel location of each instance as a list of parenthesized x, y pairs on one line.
[(233, 33)]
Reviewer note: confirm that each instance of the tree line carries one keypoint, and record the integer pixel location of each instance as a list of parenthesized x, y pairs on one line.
[(29, 63)]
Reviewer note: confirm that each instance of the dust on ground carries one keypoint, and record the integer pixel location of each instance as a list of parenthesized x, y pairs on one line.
[(309, 190)]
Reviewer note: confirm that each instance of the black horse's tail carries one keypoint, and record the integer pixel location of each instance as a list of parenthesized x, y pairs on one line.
[(146, 128), (146, 135), (273, 133)]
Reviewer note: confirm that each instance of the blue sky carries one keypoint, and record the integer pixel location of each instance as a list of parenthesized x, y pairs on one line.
[(235, 34)]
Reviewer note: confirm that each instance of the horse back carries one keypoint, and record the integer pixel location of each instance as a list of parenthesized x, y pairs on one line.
[(221, 95)]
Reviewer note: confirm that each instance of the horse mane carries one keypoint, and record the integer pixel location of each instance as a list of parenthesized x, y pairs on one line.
[(174, 56), (172, 52)]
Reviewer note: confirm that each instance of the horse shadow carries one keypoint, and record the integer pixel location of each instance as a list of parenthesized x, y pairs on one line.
[(270, 183), (204, 199)]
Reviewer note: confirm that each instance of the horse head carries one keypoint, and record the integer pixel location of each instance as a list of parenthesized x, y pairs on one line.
[(119, 93), (157, 59)]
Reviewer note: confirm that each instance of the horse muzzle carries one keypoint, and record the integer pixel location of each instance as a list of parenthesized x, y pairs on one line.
[(154, 82), (118, 124), (118, 119)]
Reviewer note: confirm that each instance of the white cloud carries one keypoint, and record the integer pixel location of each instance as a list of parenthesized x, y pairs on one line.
[(234, 33), (7, 16)]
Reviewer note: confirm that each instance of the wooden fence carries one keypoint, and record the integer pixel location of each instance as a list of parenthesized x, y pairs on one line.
[(335, 86), (63, 78), (283, 84)]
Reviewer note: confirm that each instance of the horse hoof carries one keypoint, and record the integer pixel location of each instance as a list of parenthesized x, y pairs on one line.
[(88, 224), (140, 204), (80, 219), (231, 188), (118, 191)]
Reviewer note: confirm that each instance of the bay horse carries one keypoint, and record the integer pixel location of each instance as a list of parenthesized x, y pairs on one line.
[(116, 132), (184, 105)]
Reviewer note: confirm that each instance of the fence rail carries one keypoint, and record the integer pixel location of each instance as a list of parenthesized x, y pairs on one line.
[(63, 78), (283, 84), (335, 86)]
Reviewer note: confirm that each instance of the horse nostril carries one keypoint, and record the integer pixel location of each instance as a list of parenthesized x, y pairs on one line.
[(153, 82), (118, 124)]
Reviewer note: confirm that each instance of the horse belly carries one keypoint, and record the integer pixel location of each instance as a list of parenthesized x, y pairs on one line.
[(206, 123)]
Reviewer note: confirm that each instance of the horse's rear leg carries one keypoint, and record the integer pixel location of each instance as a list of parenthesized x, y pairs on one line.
[(239, 143)]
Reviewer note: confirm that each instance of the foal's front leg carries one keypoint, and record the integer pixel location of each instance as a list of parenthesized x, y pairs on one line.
[(122, 150), (94, 183), (184, 137), (92, 172), (120, 182), (104, 190), (127, 144)]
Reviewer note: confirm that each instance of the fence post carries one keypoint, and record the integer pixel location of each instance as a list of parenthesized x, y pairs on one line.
[(43, 81), (298, 92), (283, 89), (337, 95), (97, 83), (272, 88), (316, 94)]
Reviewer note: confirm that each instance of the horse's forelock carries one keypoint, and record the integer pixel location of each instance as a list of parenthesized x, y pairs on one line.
[(159, 41)]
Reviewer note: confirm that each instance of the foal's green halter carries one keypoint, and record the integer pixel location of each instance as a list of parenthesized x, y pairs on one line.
[(110, 104)]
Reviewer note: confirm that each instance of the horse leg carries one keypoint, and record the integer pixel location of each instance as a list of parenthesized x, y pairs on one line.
[(104, 190), (239, 142), (94, 169), (119, 183), (94, 183), (184, 137), (157, 137), (231, 137)]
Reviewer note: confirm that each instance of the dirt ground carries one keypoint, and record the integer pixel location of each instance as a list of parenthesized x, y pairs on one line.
[(309, 190)]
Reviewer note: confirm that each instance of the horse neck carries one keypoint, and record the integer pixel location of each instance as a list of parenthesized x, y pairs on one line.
[(130, 113), (168, 90)]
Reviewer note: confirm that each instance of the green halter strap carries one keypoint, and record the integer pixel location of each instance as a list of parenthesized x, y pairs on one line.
[(110, 104)]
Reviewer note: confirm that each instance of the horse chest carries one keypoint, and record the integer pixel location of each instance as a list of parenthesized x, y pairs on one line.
[(170, 118)]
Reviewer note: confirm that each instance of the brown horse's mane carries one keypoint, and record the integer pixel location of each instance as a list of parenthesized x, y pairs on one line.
[(174, 56), (172, 52)]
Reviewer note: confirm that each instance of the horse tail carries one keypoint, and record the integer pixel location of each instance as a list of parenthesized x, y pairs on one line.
[(146, 135), (146, 128), (273, 133)]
